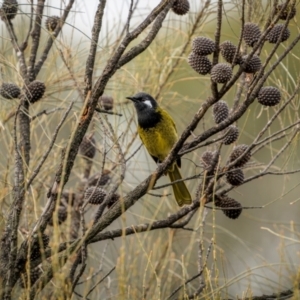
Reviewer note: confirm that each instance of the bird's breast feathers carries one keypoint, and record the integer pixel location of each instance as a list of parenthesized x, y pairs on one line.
[(159, 139)]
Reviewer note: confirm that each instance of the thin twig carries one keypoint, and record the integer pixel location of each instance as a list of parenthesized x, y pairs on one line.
[(45, 112), (101, 280), (103, 111), (43, 159)]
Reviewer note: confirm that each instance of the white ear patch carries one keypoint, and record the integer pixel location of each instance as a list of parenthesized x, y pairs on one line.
[(148, 103)]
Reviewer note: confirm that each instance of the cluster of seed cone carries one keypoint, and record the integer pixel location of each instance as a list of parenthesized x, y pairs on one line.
[(9, 10), (269, 95), (230, 207), (198, 60), (278, 34), (33, 92), (234, 174), (239, 157), (220, 114), (94, 193)]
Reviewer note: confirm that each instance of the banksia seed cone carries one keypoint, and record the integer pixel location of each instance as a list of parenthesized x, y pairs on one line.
[(220, 111), (207, 158), (226, 203), (87, 147), (288, 13), (41, 243), (9, 9), (251, 34), (201, 64), (221, 73), (34, 275), (115, 198), (237, 152), (181, 7), (269, 96), (203, 46), (99, 179), (61, 214), (276, 34), (232, 135), (107, 102), (228, 51), (235, 177), (94, 195), (9, 90), (35, 91), (51, 23), (253, 65)]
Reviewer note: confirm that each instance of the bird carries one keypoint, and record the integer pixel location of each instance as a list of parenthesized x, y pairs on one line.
[(158, 133)]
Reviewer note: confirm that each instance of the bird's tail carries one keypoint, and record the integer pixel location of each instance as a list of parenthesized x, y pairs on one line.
[(181, 193)]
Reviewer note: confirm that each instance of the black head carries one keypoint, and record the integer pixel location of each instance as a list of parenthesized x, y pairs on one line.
[(146, 107), (143, 102)]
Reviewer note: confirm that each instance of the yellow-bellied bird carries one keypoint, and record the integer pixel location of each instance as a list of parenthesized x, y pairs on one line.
[(158, 133)]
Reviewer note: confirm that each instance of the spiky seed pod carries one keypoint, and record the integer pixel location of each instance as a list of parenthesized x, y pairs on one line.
[(201, 64), (99, 179), (107, 102), (203, 46), (288, 13), (221, 73), (51, 23), (181, 7), (235, 177), (232, 135), (237, 152), (251, 34), (35, 254), (42, 241), (35, 91), (226, 203), (94, 195), (269, 96), (39, 246), (220, 111), (34, 275), (9, 9), (253, 65), (61, 214), (228, 51), (207, 158), (115, 198), (87, 147), (9, 90), (274, 35)]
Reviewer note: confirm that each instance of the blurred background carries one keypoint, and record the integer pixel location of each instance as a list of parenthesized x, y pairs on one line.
[(256, 254)]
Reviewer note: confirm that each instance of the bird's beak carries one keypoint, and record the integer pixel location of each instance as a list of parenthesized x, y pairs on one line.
[(131, 98)]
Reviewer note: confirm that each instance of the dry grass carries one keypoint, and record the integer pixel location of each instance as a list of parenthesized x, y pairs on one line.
[(254, 255)]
